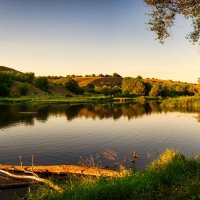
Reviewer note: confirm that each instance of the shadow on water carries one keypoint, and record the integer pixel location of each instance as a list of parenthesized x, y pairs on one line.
[(10, 115)]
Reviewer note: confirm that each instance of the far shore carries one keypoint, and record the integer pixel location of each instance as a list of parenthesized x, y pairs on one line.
[(75, 99)]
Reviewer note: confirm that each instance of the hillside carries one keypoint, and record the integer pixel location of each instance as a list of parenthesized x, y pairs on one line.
[(28, 84), (32, 90), (8, 69), (84, 81), (97, 81)]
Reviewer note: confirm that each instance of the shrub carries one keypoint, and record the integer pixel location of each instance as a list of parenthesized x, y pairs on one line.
[(106, 90), (4, 90), (23, 89), (73, 86), (90, 88), (42, 83), (5, 84), (116, 90)]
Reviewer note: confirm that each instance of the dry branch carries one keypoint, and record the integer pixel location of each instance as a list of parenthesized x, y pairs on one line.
[(25, 177)]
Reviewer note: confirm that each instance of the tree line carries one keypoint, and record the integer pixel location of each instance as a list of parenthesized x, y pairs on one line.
[(128, 87)]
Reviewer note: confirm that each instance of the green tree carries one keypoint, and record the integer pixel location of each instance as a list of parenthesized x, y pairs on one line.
[(116, 90), (164, 14), (116, 75), (73, 86), (106, 90), (30, 77), (4, 90), (90, 88), (133, 86), (101, 75), (5, 84), (42, 83), (156, 90), (24, 89)]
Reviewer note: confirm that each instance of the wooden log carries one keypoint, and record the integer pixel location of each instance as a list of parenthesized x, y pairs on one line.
[(34, 178), (63, 169)]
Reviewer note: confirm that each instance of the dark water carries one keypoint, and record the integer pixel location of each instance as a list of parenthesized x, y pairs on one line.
[(60, 134)]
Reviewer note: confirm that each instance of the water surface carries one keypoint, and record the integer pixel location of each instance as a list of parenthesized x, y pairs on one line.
[(60, 134)]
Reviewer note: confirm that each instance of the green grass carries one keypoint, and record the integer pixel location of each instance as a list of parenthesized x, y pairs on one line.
[(77, 99), (74, 99), (183, 101), (171, 176)]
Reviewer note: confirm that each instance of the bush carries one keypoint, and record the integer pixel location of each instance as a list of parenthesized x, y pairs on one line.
[(116, 90), (5, 84), (23, 89), (106, 90), (42, 83), (4, 90), (116, 75), (90, 88), (73, 86)]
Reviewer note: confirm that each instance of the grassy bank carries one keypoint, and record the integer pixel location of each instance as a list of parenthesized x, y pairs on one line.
[(183, 101), (171, 176), (75, 99)]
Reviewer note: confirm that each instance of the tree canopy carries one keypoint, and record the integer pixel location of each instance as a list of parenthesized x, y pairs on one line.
[(164, 13), (73, 86)]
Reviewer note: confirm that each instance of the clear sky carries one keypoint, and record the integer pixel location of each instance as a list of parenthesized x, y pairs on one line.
[(60, 37)]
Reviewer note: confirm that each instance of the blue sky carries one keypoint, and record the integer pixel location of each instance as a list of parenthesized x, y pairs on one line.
[(63, 37)]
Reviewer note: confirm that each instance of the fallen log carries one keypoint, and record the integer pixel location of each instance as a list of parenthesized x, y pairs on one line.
[(34, 178), (63, 169)]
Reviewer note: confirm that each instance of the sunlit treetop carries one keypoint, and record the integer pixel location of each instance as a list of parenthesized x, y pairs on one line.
[(164, 13)]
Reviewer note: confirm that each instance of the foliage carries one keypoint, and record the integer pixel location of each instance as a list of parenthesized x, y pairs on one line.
[(90, 88), (164, 14), (29, 77), (184, 101), (4, 90), (42, 83), (156, 90), (101, 75), (116, 75), (73, 86), (22, 77), (106, 90), (133, 86), (24, 89), (116, 90), (5, 84), (172, 176)]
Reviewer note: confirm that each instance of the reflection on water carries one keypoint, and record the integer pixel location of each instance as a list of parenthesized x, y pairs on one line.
[(16, 114), (61, 133), (13, 114)]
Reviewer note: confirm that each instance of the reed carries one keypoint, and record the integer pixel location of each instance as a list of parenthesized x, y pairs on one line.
[(181, 102)]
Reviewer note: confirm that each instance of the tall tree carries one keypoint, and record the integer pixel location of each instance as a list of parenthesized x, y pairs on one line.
[(73, 86), (42, 83), (133, 86), (164, 13)]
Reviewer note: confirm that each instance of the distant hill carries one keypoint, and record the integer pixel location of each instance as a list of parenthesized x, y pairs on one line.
[(8, 69), (96, 81)]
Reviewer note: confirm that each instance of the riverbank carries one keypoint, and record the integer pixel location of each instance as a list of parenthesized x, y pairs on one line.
[(182, 102), (75, 99), (171, 176)]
